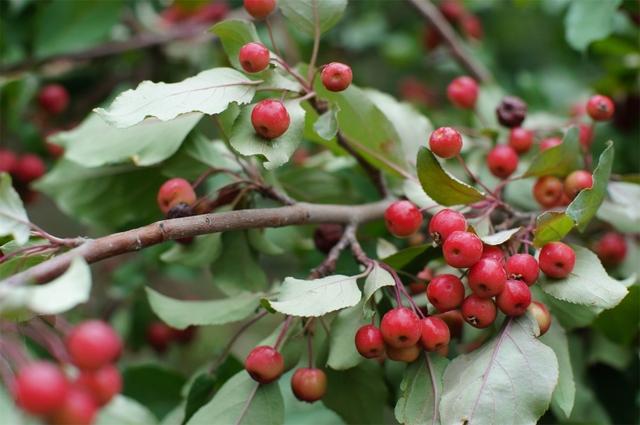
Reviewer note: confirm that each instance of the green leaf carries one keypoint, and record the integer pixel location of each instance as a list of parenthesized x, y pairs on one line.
[(493, 375), (420, 391), (559, 160), (342, 350), (201, 252), (588, 284), (154, 386), (233, 34), (620, 324), (259, 240), (588, 21), (9, 412), (377, 279), (95, 143), (313, 298), (303, 14), (585, 206), (441, 186), (237, 269), (602, 350), (276, 151), (229, 406), (181, 314), (209, 92), (125, 411), (620, 209), (412, 259), (326, 126), (500, 237), (14, 220), (57, 296), (564, 395), (551, 226)]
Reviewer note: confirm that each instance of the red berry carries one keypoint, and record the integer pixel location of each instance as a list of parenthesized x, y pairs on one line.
[(259, 9), (8, 161), (40, 388), (103, 384), (463, 92), (403, 354), (452, 10), (435, 333), (478, 312), (542, 316), (462, 249), (493, 252), (78, 408), (600, 108), (93, 344), (402, 218), (444, 223), (159, 336), (254, 57), (611, 248), (265, 364), (416, 288), (174, 192), (369, 342), (514, 299), (445, 292), (212, 12), (585, 135), (577, 181), (511, 111), (184, 336), (502, 161), (431, 38), (53, 98), (486, 278), (336, 76), (549, 143), (29, 168), (520, 139), (557, 259), (454, 320), (472, 26), (523, 267), (270, 119), (400, 327), (445, 142), (327, 235), (309, 384), (548, 190)]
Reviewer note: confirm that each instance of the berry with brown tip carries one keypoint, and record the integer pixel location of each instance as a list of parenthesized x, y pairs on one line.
[(259, 9), (463, 92), (487, 278), (600, 108), (462, 249), (174, 192), (270, 119), (542, 316), (265, 364), (502, 161), (523, 267), (478, 312), (254, 57), (577, 181), (445, 142), (402, 218), (445, 292), (611, 248), (444, 223), (400, 327), (309, 384), (336, 76), (435, 333), (520, 139), (548, 191), (369, 342), (557, 260), (514, 298), (511, 111)]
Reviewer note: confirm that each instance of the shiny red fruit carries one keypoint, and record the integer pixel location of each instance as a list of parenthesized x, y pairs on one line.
[(309, 384), (29, 168), (478, 312), (259, 9), (173, 192), (40, 388), (254, 57), (270, 119), (402, 218), (435, 333), (445, 142), (369, 342), (549, 143), (611, 248), (600, 108), (520, 139), (548, 191), (265, 364), (577, 181), (557, 259), (463, 92), (93, 344), (493, 252), (514, 298), (502, 161), (78, 408), (542, 316), (523, 267), (103, 384), (336, 76), (53, 98), (445, 292), (487, 278), (444, 223), (400, 327), (462, 249)]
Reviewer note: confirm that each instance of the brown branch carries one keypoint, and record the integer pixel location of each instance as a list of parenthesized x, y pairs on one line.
[(435, 18), (94, 250), (330, 262)]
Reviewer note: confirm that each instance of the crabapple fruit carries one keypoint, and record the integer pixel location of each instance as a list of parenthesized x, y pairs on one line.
[(103, 384), (550, 142), (502, 161), (577, 181), (463, 92), (174, 192), (403, 218), (400, 327), (523, 267), (487, 278), (444, 223), (611, 248), (511, 111), (259, 9), (514, 298), (93, 344), (369, 342), (29, 168), (336, 76), (600, 108), (270, 118), (435, 333), (557, 259), (462, 249), (40, 388), (542, 316), (254, 57), (265, 364), (403, 354), (548, 191), (520, 139), (445, 292), (309, 384), (445, 142), (53, 98), (478, 312)]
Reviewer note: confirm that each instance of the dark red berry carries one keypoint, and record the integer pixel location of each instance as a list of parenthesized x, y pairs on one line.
[(53, 98), (336, 76), (511, 111), (444, 223), (270, 119), (29, 168), (463, 92), (478, 312), (453, 319), (611, 248), (472, 26), (326, 236), (8, 161), (548, 191), (452, 10), (445, 292), (403, 354), (577, 181), (254, 57), (212, 12), (542, 316), (514, 299), (265, 364), (259, 9), (369, 342), (40, 388), (462, 249), (402, 218), (435, 333), (493, 252), (523, 267), (520, 139), (93, 344), (600, 108), (445, 142), (400, 327), (184, 336), (557, 259), (549, 143), (78, 408), (174, 192), (502, 161), (103, 384), (309, 384), (159, 336), (487, 278)]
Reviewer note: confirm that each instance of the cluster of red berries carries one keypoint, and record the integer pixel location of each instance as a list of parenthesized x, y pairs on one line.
[(207, 13), (42, 388), (265, 365), (160, 336), (24, 169), (460, 18)]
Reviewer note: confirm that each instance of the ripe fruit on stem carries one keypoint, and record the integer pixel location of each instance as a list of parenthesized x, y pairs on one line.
[(259, 9), (514, 298), (435, 333), (403, 354), (40, 388), (548, 190), (523, 267), (93, 344), (600, 108), (585, 135), (463, 92), (402, 218), (174, 192), (270, 119), (549, 143), (611, 248), (444, 223), (462, 249), (493, 252), (265, 364), (159, 336), (29, 168), (542, 316), (309, 384), (445, 142), (400, 327), (445, 292), (336, 76), (8, 161), (487, 278), (520, 139), (577, 181), (53, 98), (78, 408), (103, 384), (478, 312), (557, 259), (502, 161), (511, 111), (254, 57), (369, 342)]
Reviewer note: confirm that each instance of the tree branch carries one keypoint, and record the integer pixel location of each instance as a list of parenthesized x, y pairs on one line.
[(435, 18), (94, 250)]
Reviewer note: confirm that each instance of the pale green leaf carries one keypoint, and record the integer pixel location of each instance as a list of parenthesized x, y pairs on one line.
[(621, 208), (551, 226), (559, 160), (237, 269), (233, 34), (13, 217), (420, 391), (565, 392), (342, 349), (377, 279), (588, 21), (500, 237), (202, 251), (304, 14), (125, 411), (326, 126)]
